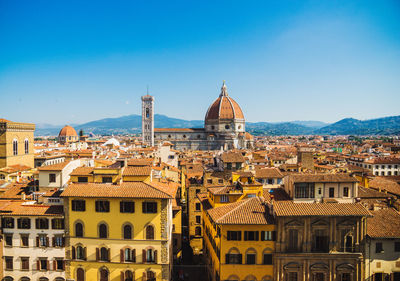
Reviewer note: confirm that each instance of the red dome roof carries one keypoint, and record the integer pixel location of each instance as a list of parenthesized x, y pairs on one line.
[(224, 107), (67, 131)]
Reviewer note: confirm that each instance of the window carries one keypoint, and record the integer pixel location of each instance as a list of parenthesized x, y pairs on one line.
[(321, 241), (129, 255), (78, 229), (24, 263), (378, 247), (8, 222), (149, 207), (197, 190), (103, 231), (80, 253), (198, 207), (251, 236), (9, 240), (198, 219), (345, 191), (15, 147), (149, 232), (80, 274), (292, 276), (52, 177), (43, 264), (57, 223), (397, 246), (24, 240), (268, 235), (106, 179), (270, 181), (102, 206), (293, 240), (104, 253), (58, 241), (59, 264), (127, 207), (147, 113), (42, 223), (346, 277), (251, 258), (197, 231), (221, 181), (82, 179), (233, 258), (9, 263), (331, 192), (127, 232), (26, 146), (267, 259), (304, 190), (42, 241), (78, 205), (224, 199), (227, 127), (234, 235), (209, 181), (24, 223)]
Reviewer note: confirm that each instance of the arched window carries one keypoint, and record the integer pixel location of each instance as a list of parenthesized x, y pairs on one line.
[(127, 231), (78, 229), (103, 231), (103, 274), (197, 231), (149, 232), (251, 255), (43, 279), (26, 146), (80, 274), (151, 276), (59, 279), (25, 279), (128, 255), (104, 254), (128, 276), (8, 278), (15, 147), (80, 253), (250, 278)]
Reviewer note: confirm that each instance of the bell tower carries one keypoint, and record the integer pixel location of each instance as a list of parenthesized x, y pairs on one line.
[(148, 120)]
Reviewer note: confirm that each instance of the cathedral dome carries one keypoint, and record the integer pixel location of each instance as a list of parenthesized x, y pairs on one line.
[(224, 107), (67, 131)]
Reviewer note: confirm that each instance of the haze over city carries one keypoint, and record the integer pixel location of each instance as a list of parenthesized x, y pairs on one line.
[(73, 62)]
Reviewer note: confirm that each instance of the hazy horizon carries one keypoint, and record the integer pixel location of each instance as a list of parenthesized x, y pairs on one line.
[(75, 62)]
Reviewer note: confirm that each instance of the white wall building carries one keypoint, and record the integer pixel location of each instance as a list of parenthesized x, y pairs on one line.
[(57, 175), (34, 242)]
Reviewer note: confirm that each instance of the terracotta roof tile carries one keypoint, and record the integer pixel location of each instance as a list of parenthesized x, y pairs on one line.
[(289, 208), (55, 167), (82, 171), (247, 211), (232, 157), (124, 190), (137, 171), (385, 223), (21, 208), (268, 173)]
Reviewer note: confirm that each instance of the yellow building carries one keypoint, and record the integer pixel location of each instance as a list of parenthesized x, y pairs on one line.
[(239, 240), (16, 143), (118, 232)]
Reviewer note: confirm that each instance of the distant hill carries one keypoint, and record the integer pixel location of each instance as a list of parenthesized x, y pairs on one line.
[(350, 126), (131, 124)]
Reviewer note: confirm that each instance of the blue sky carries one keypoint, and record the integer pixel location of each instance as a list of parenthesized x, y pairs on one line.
[(75, 61)]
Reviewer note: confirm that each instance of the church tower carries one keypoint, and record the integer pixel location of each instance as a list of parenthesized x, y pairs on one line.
[(148, 120)]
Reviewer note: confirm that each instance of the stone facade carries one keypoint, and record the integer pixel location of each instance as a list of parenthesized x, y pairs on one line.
[(320, 248), (16, 143), (148, 120)]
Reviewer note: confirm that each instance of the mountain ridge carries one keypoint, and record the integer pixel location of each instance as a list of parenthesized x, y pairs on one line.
[(131, 124)]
